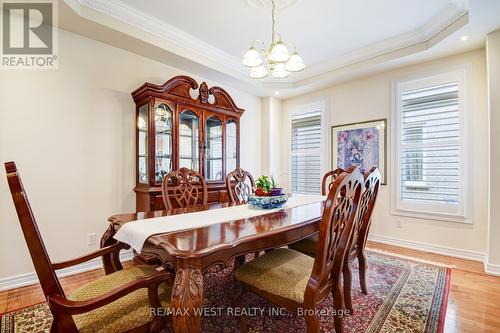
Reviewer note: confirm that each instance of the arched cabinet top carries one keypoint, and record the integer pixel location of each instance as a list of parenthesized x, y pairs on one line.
[(178, 89)]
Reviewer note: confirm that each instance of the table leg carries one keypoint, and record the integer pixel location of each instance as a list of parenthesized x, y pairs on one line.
[(111, 261), (187, 299)]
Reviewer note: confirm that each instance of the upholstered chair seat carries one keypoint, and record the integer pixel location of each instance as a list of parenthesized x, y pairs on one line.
[(118, 302), (282, 272), (358, 239), (294, 280), (124, 314), (307, 245)]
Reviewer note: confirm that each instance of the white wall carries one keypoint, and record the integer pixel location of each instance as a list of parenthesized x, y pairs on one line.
[(493, 56), (370, 98), (71, 132), (271, 136)]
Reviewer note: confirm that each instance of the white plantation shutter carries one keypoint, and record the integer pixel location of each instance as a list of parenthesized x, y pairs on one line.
[(305, 152), (430, 153)]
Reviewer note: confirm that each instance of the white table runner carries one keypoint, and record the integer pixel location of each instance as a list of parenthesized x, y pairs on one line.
[(135, 233)]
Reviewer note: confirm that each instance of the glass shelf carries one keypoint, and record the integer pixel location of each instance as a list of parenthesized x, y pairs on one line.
[(142, 145), (189, 154), (163, 141), (231, 144), (213, 161)]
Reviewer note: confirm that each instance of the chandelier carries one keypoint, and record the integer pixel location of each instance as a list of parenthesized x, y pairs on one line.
[(276, 59)]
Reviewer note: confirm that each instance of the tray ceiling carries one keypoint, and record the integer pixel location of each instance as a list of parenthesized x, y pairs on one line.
[(329, 34)]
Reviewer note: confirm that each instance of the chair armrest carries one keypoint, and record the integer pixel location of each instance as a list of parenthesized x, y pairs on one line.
[(60, 304), (99, 253)]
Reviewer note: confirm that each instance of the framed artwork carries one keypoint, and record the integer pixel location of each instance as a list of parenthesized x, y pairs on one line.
[(362, 144)]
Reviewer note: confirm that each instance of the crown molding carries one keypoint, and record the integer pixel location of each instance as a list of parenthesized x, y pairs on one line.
[(125, 19), (180, 41), (446, 22)]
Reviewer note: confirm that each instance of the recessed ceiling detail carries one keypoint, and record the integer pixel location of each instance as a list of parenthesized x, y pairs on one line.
[(346, 35)]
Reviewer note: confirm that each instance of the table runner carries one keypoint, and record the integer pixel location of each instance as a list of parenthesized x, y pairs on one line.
[(135, 233)]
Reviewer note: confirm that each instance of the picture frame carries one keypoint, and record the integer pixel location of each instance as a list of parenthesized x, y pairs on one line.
[(363, 144)]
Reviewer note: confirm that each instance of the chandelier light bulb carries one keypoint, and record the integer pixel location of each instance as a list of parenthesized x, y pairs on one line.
[(277, 60), (252, 58), (279, 71), (279, 53), (295, 64), (258, 72)]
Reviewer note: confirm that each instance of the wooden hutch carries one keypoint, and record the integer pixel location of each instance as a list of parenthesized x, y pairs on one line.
[(175, 130)]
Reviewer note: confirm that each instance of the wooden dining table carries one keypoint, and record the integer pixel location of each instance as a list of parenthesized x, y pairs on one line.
[(190, 253)]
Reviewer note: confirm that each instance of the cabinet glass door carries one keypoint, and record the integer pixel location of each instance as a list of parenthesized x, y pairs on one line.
[(163, 152), (213, 156), (231, 146), (142, 144), (189, 153)]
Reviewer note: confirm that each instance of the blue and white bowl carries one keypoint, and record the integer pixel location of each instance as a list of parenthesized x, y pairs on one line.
[(267, 202)]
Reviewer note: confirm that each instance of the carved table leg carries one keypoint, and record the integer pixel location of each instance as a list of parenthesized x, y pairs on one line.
[(110, 261), (187, 299)]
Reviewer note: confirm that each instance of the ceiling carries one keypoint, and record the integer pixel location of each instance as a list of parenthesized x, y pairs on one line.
[(330, 35)]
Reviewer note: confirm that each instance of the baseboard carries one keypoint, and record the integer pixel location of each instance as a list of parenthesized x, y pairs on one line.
[(491, 269), (27, 279), (447, 251)]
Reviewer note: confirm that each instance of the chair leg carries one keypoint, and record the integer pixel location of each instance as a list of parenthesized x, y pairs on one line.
[(312, 324), (338, 302), (236, 301), (362, 271), (347, 274), (238, 262)]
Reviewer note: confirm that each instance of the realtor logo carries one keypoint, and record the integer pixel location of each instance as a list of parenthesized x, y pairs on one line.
[(29, 34)]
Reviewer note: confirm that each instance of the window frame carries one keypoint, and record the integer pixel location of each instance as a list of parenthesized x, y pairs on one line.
[(439, 212), (306, 108)]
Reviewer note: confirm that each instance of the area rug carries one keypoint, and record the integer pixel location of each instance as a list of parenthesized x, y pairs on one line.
[(404, 296)]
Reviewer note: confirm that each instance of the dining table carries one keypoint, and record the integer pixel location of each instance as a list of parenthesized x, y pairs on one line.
[(189, 252)]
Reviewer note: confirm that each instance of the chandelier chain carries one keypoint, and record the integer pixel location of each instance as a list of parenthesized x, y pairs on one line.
[(276, 59), (274, 21)]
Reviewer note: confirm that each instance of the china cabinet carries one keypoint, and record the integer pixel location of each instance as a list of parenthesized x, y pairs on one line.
[(175, 129)]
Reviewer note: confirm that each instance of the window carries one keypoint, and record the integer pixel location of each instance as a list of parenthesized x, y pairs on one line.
[(306, 152), (430, 148)]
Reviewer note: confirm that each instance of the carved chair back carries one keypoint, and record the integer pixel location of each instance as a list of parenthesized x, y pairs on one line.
[(43, 266), (372, 181), (329, 179), (336, 228), (243, 186), (184, 188)]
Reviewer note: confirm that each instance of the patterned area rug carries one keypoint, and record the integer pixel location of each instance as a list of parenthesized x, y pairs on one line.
[(404, 296)]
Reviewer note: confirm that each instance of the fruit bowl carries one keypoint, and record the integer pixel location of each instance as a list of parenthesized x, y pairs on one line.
[(267, 202)]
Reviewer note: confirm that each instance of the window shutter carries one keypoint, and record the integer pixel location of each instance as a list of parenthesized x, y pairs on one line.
[(430, 158), (306, 151)]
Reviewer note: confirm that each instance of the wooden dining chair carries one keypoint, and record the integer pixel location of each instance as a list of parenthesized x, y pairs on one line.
[(372, 181), (308, 245), (118, 302), (362, 224), (329, 179), (239, 185), (184, 188), (293, 280)]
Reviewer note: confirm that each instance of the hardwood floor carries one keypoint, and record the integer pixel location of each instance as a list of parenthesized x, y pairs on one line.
[(474, 299), (473, 304)]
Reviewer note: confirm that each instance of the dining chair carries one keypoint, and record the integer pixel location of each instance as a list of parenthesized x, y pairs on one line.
[(184, 188), (372, 181), (118, 302), (308, 245), (329, 179), (362, 223), (239, 185), (293, 280)]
